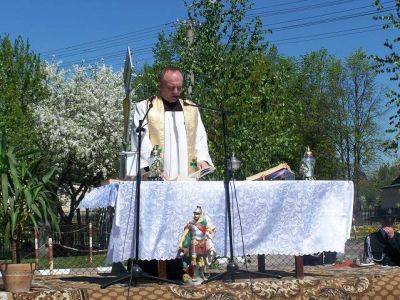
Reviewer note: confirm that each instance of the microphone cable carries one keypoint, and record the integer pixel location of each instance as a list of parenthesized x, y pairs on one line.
[(133, 185), (233, 189), (132, 193)]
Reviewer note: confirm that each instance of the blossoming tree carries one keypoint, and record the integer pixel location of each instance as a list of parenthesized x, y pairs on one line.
[(80, 127)]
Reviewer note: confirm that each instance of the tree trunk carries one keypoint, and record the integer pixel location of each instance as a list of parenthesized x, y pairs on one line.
[(14, 251)]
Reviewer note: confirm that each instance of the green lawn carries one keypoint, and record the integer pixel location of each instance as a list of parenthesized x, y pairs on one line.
[(67, 262)]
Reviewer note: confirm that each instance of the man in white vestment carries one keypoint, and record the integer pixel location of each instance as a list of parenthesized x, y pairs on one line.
[(175, 125)]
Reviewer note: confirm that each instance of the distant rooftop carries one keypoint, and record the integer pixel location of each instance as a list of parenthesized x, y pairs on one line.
[(395, 183)]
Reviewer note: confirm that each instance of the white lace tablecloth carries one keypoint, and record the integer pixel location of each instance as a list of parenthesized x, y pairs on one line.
[(277, 217)]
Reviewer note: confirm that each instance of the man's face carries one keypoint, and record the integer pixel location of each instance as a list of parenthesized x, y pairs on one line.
[(171, 86), (196, 216)]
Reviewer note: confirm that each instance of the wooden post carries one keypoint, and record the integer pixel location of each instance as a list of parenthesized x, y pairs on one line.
[(90, 243), (36, 247), (51, 263), (299, 263), (261, 262)]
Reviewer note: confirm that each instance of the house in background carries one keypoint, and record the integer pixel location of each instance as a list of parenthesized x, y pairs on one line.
[(390, 195)]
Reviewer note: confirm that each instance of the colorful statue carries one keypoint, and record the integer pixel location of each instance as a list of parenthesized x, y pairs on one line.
[(196, 245)]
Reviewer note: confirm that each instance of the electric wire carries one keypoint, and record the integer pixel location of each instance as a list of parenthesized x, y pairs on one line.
[(104, 46), (327, 33), (324, 21), (324, 38), (145, 34), (280, 4), (105, 56), (101, 41), (250, 278), (303, 8), (233, 190), (322, 15)]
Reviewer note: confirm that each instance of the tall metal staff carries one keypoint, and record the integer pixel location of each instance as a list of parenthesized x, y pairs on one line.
[(126, 112), (135, 270)]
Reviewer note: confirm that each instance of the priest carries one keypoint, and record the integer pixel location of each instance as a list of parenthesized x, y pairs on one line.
[(175, 125)]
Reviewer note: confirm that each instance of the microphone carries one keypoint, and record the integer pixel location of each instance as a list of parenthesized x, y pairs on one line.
[(187, 102), (151, 99)]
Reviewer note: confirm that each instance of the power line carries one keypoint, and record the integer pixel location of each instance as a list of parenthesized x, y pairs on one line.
[(324, 37), (321, 36), (303, 8), (100, 47), (109, 55), (280, 4), (101, 41), (321, 15), (146, 33), (122, 37), (322, 21), (340, 32)]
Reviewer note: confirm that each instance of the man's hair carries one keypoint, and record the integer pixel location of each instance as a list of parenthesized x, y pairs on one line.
[(389, 220), (168, 69)]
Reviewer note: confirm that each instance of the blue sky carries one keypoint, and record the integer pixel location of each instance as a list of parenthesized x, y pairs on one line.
[(103, 29), (90, 30)]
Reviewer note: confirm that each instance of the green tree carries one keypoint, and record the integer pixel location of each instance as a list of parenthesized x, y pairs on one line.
[(390, 63), (340, 105), (370, 190), (224, 52), (319, 77), (363, 107), (21, 78)]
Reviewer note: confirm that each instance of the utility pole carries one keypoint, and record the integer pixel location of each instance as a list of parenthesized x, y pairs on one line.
[(190, 40)]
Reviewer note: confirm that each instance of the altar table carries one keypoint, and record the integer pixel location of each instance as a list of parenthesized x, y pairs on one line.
[(274, 217)]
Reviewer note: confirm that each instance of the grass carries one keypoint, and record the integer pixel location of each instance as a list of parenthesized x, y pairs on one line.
[(67, 262)]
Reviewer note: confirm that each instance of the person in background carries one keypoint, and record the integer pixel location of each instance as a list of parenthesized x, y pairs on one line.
[(383, 246)]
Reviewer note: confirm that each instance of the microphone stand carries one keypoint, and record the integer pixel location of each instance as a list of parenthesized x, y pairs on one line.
[(232, 269), (136, 271)]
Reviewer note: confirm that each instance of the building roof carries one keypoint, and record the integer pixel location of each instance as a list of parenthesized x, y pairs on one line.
[(395, 184), (396, 181)]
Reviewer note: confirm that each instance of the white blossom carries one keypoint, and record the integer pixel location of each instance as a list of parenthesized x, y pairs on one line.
[(80, 124)]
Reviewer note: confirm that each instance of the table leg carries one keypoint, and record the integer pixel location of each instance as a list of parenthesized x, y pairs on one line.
[(162, 268)]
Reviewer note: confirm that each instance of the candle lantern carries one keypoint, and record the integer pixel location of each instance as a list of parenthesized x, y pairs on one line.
[(307, 165), (233, 163)]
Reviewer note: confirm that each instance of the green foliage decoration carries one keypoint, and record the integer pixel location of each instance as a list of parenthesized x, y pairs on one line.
[(25, 200)]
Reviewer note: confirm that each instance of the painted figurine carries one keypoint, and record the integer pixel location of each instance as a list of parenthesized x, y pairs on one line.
[(196, 245)]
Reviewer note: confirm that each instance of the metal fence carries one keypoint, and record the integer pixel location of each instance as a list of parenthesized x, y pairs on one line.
[(82, 249)]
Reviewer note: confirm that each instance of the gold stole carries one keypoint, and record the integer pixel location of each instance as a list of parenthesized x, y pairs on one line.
[(156, 125)]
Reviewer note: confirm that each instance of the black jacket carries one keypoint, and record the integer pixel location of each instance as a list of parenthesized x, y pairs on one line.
[(382, 249)]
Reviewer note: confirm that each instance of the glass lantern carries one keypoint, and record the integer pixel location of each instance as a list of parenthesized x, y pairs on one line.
[(156, 164), (307, 165), (233, 163)]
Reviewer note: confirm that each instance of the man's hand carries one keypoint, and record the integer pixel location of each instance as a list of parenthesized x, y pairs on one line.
[(389, 231), (202, 164)]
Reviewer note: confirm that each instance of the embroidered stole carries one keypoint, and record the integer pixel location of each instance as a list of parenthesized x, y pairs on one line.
[(156, 124)]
